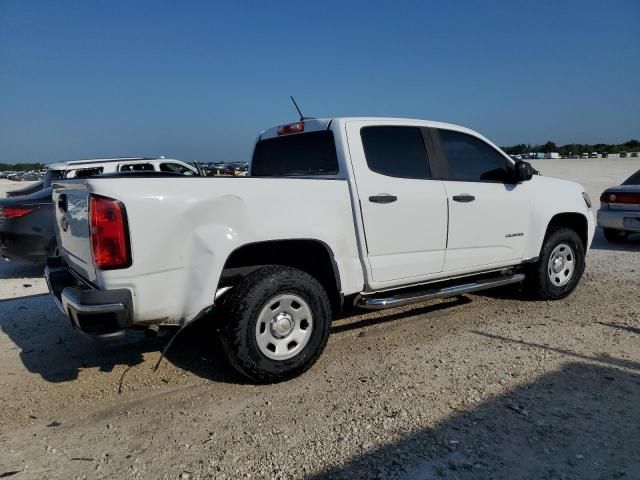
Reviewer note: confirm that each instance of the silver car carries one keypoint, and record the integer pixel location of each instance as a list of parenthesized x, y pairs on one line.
[(619, 213)]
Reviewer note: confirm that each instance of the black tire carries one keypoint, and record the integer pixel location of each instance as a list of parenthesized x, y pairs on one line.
[(241, 314), (539, 284), (614, 236)]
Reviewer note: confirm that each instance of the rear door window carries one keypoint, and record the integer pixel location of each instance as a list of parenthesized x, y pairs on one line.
[(396, 151), (472, 160), (300, 154)]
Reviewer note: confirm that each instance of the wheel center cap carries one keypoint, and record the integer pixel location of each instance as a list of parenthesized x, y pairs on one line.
[(558, 265), (281, 325)]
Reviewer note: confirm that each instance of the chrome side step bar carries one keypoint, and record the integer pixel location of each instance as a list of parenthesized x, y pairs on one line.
[(373, 302)]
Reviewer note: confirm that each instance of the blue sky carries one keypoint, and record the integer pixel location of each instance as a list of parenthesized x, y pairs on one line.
[(198, 80)]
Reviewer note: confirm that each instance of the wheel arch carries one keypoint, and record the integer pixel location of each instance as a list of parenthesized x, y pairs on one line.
[(572, 220), (312, 256)]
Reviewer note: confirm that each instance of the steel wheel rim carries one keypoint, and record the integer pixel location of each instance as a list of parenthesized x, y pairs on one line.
[(561, 265), (284, 327)]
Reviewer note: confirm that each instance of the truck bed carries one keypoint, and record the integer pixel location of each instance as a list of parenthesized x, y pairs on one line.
[(182, 229)]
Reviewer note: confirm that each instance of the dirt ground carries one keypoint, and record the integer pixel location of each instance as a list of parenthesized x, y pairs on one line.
[(479, 386)]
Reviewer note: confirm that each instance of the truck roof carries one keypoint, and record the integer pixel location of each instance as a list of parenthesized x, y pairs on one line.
[(315, 124)]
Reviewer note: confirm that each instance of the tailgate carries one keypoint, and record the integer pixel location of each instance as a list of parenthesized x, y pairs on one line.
[(71, 205)]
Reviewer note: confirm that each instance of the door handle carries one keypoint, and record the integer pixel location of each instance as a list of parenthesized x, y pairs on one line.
[(383, 198), (464, 198)]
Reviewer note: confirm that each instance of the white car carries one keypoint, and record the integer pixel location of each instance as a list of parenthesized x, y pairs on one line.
[(373, 212), (100, 166)]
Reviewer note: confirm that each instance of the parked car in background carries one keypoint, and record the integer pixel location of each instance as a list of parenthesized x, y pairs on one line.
[(623, 154), (593, 155), (26, 220), (26, 227), (634, 154), (605, 155), (90, 168), (371, 212), (619, 213), (585, 155)]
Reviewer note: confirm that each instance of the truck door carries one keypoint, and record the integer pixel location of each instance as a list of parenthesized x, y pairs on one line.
[(404, 211), (488, 213)]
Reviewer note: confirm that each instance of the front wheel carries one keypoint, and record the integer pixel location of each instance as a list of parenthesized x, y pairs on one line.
[(276, 323), (559, 267)]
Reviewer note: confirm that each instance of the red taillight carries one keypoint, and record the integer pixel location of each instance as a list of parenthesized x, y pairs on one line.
[(620, 197), (297, 127), (109, 242), (17, 211)]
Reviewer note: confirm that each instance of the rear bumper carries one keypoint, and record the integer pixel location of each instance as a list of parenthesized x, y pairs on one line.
[(627, 220), (101, 313)]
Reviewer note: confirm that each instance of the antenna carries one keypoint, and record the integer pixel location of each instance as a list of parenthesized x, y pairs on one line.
[(302, 117), (297, 108)]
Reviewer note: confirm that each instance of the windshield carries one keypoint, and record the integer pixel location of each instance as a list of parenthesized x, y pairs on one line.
[(301, 154), (633, 179)]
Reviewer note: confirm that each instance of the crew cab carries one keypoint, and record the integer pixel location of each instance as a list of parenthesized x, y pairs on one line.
[(370, 212)]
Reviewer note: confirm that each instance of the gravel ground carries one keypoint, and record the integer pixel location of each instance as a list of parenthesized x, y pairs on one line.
[(480, 386)]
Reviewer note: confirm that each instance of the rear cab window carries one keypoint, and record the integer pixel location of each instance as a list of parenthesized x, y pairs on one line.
[(299, 154)]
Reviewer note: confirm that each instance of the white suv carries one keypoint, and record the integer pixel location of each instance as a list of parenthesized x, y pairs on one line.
[(99, 166)]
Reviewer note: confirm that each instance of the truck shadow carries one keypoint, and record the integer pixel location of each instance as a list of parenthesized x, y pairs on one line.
[(198, 348), (580, 421), (11, 270), (354, 319), (631, 244), (50, 347)]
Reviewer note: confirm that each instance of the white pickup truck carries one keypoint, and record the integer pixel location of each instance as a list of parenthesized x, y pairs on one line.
[(371, 212)]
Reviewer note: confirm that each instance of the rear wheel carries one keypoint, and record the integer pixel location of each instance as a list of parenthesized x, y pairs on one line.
[(614, 236), (559, 267), (276, 323)]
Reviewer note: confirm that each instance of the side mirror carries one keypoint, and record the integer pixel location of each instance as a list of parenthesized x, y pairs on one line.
[(523, 171)]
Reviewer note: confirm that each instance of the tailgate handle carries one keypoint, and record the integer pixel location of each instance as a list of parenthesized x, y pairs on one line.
[(383, 198), (62, 202)]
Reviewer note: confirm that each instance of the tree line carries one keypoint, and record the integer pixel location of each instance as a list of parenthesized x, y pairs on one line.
[(21, 167), (573, 148)]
